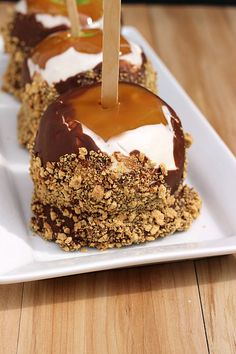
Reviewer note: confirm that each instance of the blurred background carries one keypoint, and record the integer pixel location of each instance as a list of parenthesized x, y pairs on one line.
[(206, 2), (209, 2)]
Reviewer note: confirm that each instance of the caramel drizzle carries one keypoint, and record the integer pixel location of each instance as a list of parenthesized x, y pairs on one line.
[(137, 107), (90, 42)]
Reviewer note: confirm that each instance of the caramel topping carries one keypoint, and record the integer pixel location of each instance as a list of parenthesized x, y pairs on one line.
[(137, 107), (90, 42), (91, 8)]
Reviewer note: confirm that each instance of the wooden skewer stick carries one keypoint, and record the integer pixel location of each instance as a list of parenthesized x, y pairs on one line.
[(74, 17), (111, 50)]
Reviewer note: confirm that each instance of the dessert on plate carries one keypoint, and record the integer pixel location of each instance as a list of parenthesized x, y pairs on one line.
[(32, 21), (110, 177), (61, 62)]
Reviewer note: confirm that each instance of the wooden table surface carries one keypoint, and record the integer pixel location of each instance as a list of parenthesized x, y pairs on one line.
[(186, 307)]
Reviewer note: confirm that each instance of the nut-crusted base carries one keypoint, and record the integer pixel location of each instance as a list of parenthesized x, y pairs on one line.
[(35, 100), (11, 44), (73, 230), (12, 79), (105, 203), (38, 95)]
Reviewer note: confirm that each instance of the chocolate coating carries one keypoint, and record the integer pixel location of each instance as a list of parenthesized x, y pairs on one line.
[(61, 131), (175, 176), (128, 73), (30, 32), (91, 43)]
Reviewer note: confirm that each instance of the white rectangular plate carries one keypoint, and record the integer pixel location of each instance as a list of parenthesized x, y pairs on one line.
[(212, 171)]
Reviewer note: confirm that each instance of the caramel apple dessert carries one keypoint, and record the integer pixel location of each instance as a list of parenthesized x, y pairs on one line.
[(110, 177), (62, 62), (34, 20)]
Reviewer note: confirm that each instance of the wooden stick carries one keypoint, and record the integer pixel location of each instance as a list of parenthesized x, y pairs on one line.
[(111, 50), (74, 17)]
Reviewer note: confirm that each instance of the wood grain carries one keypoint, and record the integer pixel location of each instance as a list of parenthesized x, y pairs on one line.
[(177, 30), (10, 312), (203, 42), (144, 310), (138, 16), (198, 46), (217, 282), (153, 309)]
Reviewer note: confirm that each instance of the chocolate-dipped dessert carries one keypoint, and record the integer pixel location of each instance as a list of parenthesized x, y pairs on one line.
[(34, 20), (112, 177), (62, 62)]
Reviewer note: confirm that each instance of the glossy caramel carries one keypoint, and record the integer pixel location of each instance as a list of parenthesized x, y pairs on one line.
[(137, 107), (91, 8), (90, 42)]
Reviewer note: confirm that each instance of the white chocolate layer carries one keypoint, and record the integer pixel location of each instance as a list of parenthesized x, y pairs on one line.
[(50, 21), (71, 63), (21, 7), (155, 141)]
